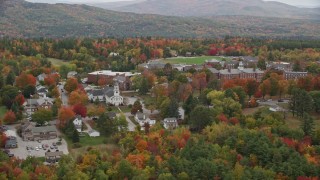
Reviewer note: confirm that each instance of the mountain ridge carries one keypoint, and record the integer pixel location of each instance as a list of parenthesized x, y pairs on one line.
[(21, 19), (203, 8)]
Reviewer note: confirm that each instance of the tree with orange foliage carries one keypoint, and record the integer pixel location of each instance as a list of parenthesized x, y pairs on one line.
[(306, 83), (65, 115), (78, 97), (19, 99), (51, 79), (95, 110), (265, 88), (9, 117), (55, 92), (142, 145), (71, 85), (102, 81), (25, 79), (137, 160)]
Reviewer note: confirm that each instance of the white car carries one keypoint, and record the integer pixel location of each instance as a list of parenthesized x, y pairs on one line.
[(37, 149)]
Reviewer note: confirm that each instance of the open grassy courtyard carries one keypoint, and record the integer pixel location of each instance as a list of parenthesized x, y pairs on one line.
[(57, 62), (192, 60)]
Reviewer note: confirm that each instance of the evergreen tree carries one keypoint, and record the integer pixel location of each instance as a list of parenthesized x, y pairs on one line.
[(143, 89), (307, 124), (10, 78), (301, 102), (173, 109), (75, 136), (190, 104), (1, 81)]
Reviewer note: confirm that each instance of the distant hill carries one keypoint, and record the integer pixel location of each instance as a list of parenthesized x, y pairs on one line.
[(19, 18), (201, 8)]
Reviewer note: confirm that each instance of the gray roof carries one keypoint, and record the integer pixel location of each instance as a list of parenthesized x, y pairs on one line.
[(251, 70), (40, 101), (109, 92), (55, 153), (168, 120), (141, 115), (120, 79), (44, 129), (232, 71), (111, 115), (213, 70), (97, 92)]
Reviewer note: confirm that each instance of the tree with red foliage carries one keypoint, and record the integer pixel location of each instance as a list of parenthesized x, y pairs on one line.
[(80, 109), (3, 139), (213, 51), (223, 118), (19, 99), (9, 117), (234, 120), (25, 79)]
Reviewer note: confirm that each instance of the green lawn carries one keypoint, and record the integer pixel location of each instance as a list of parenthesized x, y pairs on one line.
[(3, 111), (91, 141), (58, 62), (191, 60)]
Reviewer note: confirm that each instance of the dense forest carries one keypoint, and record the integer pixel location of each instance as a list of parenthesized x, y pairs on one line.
[(216, 140)]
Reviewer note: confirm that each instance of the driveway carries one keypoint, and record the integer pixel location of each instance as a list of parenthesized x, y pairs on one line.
[(63, 95), (131, 125), (22, 153)]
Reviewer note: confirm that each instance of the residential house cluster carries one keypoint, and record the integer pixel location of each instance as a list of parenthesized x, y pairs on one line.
[(143, 119), (33, 105)]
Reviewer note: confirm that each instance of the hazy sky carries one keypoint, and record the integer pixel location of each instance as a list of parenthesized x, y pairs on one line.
[(307, 3)]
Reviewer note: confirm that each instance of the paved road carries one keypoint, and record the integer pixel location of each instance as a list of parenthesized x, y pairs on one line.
[(63, 94), (131, 125)]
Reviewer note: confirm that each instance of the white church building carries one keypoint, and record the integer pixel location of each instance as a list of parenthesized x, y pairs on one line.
[(110, 95)]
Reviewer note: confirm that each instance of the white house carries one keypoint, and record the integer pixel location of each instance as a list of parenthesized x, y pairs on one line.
[(170, 123), (142, 119), (93, 133), (78, 123)]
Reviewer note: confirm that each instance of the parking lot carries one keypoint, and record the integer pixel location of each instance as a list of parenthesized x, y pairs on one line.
[(22, 152)]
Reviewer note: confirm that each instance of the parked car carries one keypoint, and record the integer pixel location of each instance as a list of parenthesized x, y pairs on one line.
[(37, 149), (10, 155), (51, 147)]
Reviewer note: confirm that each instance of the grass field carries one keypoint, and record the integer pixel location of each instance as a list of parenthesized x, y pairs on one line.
[(58, 62), (191, 60), (3, 111)]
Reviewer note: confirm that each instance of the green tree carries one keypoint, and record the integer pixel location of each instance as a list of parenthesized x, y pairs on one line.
[(173, 109), (8, 94), (10, 78), (190, 104), (307, 124), (42, 116), (1, 81), (300, 103), (122, 123), (137, 106), (143, 89), (200, 117), (75, 136), (28, 91)]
